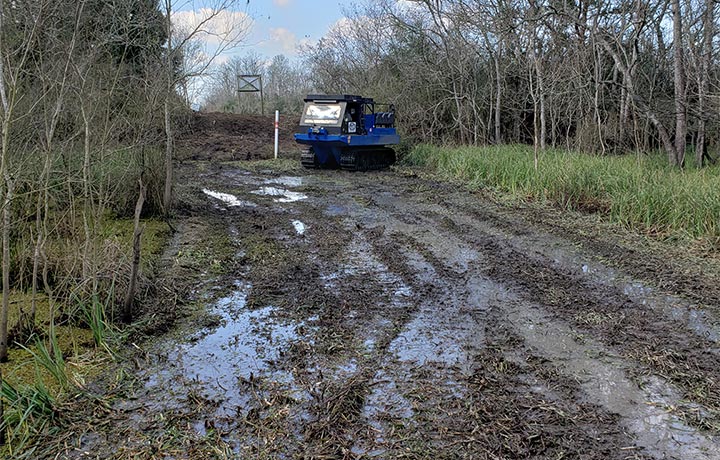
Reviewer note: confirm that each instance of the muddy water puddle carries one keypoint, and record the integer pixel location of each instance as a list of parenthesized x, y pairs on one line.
[(229, 199), (220, 362)]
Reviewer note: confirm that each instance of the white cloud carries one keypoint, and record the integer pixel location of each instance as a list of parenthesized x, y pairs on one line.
[(282, 3), (407, 4), (342, 25), (285, 39), (213, 26), (305, 42), (222, 59)]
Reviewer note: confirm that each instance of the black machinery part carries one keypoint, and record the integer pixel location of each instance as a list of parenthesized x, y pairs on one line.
[(365, 159), (309, 160)]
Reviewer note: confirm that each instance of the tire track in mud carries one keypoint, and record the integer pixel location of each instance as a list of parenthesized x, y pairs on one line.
[(513, 261), (343, 390), (497, 256), (487, 439), (502, 406), (562, 246), (338, 291), (693, 283), (451, 261), (661, 344)]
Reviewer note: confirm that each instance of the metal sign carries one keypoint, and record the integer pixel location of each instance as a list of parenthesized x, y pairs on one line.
[(249, 83)]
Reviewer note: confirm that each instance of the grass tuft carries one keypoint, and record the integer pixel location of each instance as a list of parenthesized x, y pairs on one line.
[(51, 359)]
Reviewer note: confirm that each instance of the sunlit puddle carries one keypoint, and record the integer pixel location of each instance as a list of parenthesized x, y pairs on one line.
[(284, 195), (287, 181), (299, 227), (228, 199), (220, 362)]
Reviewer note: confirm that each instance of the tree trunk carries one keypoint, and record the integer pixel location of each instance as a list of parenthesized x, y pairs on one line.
[(2, 413), (652, 117), (6, 195), (708, 29), (596, 99), (4, 312), (539, 85), (167, 196), (498, 101), (680, 97), (137, 234)]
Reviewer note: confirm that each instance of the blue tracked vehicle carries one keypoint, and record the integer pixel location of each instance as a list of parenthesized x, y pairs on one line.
[(345, 131)]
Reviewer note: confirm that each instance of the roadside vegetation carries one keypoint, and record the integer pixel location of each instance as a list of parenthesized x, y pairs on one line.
[(607, 77), (639, 192), (91, 97)]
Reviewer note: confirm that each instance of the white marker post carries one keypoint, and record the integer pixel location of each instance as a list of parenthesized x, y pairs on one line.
[(277, 127)]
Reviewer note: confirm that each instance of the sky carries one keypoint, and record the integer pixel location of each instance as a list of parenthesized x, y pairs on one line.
[(280, 26), (275, 26)]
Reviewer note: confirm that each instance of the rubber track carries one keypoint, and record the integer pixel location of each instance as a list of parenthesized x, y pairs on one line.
[(363, 160), (308, 159)]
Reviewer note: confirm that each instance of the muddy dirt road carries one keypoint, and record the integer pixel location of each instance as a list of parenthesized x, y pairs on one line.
[(377, 315)]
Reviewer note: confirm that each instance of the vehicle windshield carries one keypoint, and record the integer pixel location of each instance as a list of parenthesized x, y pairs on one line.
[(322, 114)]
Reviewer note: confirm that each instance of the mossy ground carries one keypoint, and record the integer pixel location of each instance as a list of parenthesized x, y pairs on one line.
[(75, 339)]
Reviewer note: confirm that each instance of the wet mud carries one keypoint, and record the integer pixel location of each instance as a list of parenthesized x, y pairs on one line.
[(376, 315)]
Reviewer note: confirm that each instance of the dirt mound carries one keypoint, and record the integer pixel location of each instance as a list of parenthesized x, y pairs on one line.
[(229, 136)]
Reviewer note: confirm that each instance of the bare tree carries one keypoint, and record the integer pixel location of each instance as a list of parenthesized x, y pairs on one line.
[(680, 95), (217, 21), (12, 60), (708, 25)]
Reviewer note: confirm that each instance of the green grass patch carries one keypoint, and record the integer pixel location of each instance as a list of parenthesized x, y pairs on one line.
[(641, 192)]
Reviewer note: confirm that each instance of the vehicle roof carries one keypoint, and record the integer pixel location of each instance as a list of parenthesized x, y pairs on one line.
[(338, 98)]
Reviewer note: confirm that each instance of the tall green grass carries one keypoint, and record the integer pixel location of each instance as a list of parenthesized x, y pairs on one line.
[(638, 191), (50, 358), (95, 315), (28, 410)]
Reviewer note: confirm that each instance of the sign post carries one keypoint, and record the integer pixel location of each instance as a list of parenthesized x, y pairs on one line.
[(277, 127)]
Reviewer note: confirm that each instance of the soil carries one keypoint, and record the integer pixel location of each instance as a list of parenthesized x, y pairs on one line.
[(225, 136), (334, 315)]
